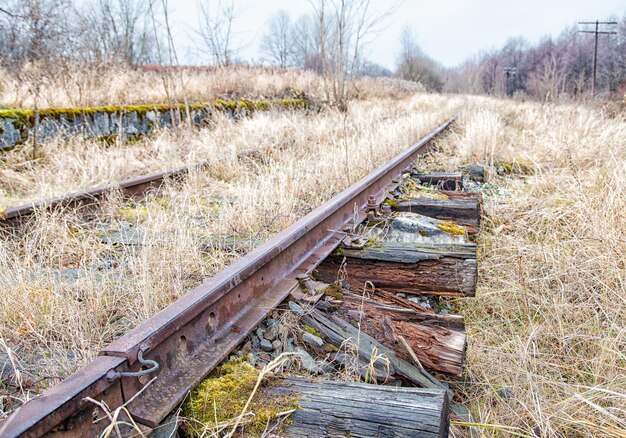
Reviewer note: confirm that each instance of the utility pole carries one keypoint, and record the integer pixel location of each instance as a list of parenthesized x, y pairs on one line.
[(596, 32), (510, 71)]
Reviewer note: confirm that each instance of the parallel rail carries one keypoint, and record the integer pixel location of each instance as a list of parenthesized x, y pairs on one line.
[(194, 334), (131, 188)]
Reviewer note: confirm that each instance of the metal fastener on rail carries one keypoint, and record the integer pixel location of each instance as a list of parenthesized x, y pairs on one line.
[(372, 208), (154, 367)]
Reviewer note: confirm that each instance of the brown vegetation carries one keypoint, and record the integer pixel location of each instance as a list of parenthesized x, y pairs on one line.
[(74, 282), (547, 352)]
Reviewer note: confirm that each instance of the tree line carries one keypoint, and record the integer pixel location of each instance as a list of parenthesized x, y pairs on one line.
[(329, 39), (552, 68), (91, 31)]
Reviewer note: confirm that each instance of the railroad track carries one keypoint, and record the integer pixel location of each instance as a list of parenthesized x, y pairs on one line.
[(132, 188), (392, 248)]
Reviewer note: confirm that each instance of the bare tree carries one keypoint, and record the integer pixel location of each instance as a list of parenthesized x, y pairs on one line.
[(344, 27), (551, 69), (277, 44), (414, 65), (305, 40), (117, 31), (548, 81), (33, 30), (216, 30), (369, 68), (167, 72)]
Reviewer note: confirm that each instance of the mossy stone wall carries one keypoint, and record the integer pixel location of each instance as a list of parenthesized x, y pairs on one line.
[(17, 126)]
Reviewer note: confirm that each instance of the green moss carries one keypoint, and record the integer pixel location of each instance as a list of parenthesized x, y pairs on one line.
[(393, 203), (519, 166), (312, 330), (27, 116), (339, 252), (373, 243), (223, 395), (330, 348), (451, 227), (136, 213), (335, 291), (17, 114)]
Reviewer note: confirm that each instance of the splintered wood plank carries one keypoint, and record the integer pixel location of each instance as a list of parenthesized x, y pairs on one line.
[(437, 348), (443, 180), (383, 300), (340, 333), (435, 269), (340, 409), (464, 211)]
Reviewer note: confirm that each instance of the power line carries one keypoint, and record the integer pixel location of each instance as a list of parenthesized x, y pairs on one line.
[(596, 32)]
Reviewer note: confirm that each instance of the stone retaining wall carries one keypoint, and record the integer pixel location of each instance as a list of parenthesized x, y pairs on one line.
[(124, 122)]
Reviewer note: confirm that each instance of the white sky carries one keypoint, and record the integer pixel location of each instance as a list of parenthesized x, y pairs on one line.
[(449, 31)]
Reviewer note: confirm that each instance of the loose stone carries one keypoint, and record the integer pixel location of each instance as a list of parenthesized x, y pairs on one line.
[(311, 339), (308, 362), (271, 333), (505, 392), (266, 345), (295, 308)]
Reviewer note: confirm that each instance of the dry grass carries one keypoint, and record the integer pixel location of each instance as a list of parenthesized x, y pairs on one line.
[(55, 323), (84, 87), (547, 326), (549, 320)]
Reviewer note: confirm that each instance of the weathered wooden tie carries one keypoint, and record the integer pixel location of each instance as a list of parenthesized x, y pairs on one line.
[(442, 180), (438, 341), (462, 210), (340, 409), (348, 338), (428, 269)]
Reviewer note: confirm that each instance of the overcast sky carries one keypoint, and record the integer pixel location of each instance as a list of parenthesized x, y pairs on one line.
[(449, 31)]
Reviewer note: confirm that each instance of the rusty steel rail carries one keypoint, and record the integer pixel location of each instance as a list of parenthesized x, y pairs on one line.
[(182, 343), (132, 188)]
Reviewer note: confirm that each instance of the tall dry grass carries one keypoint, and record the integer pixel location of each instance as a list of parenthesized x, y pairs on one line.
[(547, 330), (73, 86), (64, 293)]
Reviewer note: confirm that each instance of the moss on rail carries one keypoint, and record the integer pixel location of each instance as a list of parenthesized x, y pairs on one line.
[(27, 116)]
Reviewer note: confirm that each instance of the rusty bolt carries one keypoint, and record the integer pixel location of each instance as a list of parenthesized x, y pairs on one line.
[(372, 208), (372, 204)]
